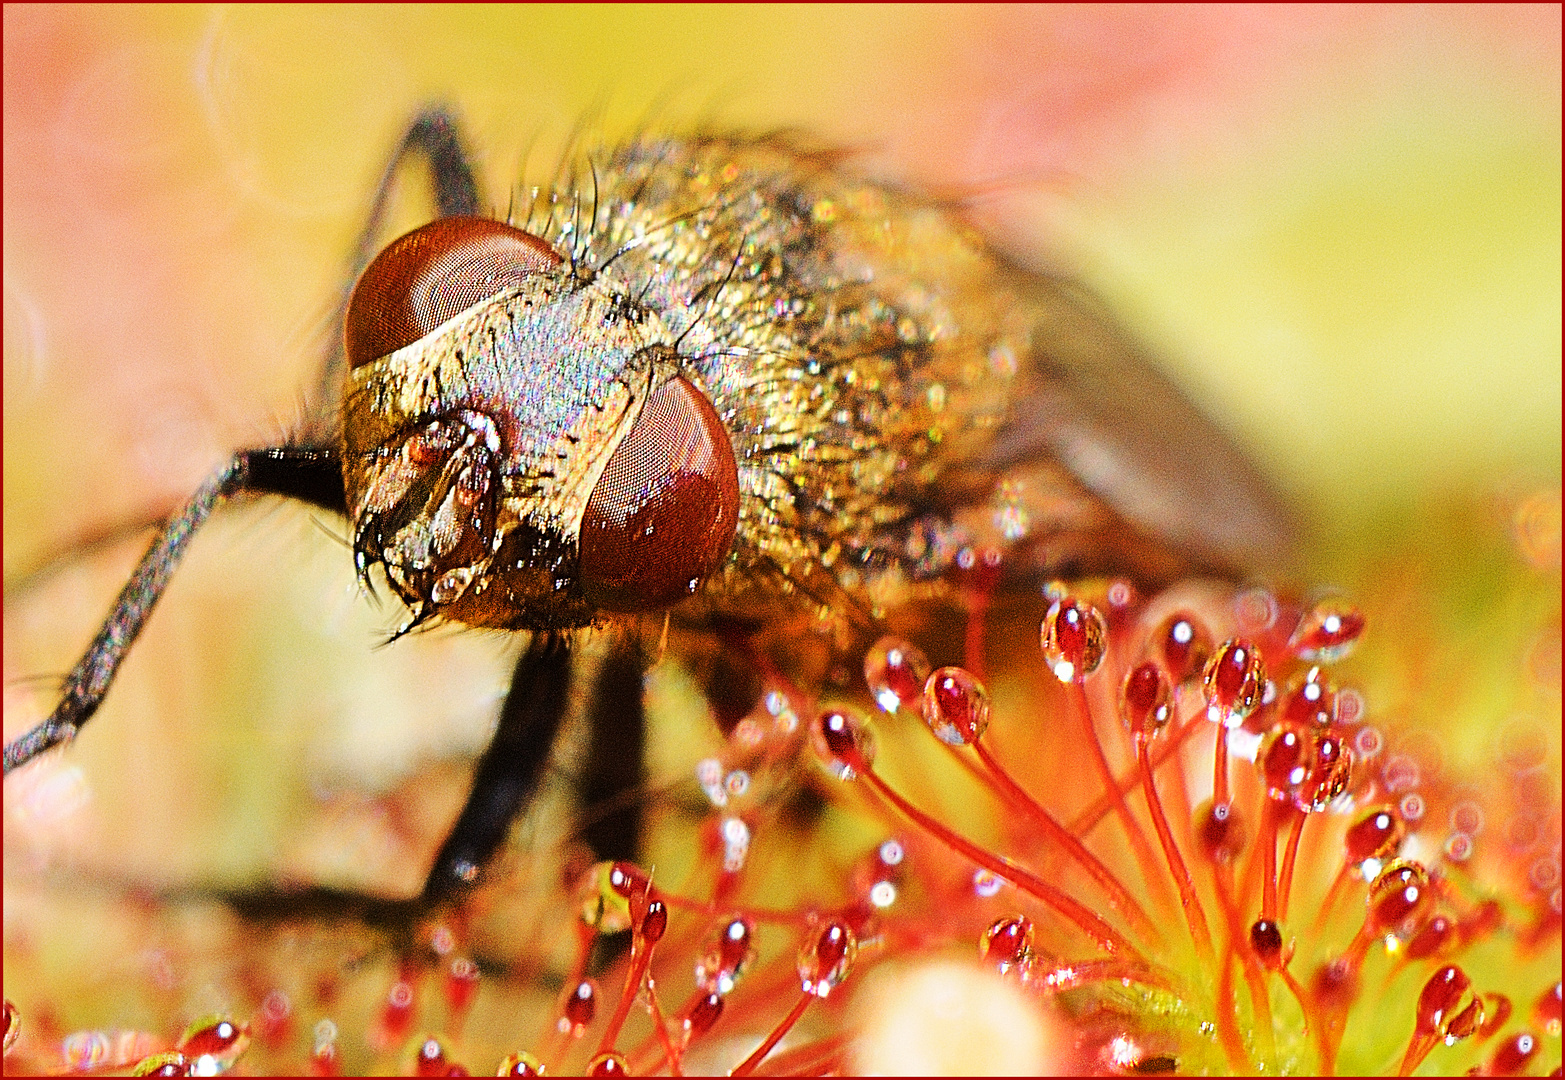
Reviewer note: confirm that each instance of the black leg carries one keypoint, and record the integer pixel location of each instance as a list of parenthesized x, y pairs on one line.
[(509, 772), (309, 474), (609, 786), (299, 473), (432, 134)]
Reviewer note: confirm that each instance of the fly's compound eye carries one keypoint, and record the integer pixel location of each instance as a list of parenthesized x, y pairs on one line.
[(432, 274), (663, 514)]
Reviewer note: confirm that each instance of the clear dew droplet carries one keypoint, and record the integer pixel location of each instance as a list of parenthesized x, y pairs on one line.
[(1397, 897), (842, 740), (1185, 645), (725, 957), (1234, 680), (1145, 700), (216, 1037), (956, 706), (1074, 638), (1008, 943), (521, 1064), (896, 671), (826, 958), (1327, 631)]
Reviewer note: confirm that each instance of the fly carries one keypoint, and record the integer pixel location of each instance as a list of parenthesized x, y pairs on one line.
[(719, 380)]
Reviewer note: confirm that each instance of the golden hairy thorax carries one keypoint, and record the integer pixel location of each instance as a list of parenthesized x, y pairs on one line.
[(894, 393)]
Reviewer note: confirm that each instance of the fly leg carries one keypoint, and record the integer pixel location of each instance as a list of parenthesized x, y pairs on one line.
[(509, 772), (432, 135), (312, 475), (609, 785)]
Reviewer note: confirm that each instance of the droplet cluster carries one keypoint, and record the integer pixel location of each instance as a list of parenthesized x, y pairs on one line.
[(1176, 831)]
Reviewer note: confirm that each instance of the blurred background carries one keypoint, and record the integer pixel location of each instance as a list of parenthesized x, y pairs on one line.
[(1340, 228), (1313, 215)]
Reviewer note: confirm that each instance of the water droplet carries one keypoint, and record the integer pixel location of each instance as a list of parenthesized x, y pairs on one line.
[(896, 672), (826, 958), (1368, 742), (604, 893), (1512, 1055), (1336, 982), (1397, 899), (1448, 1007), (442, 940), (1256, 610), (1350, 710), (735, 834), (986, 884), (274, 1020), (956, 706), (429, 1059), (841, 738), (450, 585), (396, 1016), (1377, 834), (608, 1064), (724, 960), (461, 984), (1220, 831), (1284, 762), (1411, 807), (1327, 632), (217, 1038), (1266, 940), (1458, 847), (521, 1064), (709, 774), (1467, 817), (1074, 639), (1233, 682), (1121, 597), (701, 1015), (1400, 773), (1432, 938), (653, 923), (1331, 770), (1186, 646), (1310, 701), (581, 1006), (1145, 700), (1007, 944)]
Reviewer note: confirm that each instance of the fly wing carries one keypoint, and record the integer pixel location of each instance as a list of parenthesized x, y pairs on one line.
[(1092, 400)]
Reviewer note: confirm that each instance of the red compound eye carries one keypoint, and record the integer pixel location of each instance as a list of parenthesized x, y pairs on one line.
[(431, 274), (663, 514)]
